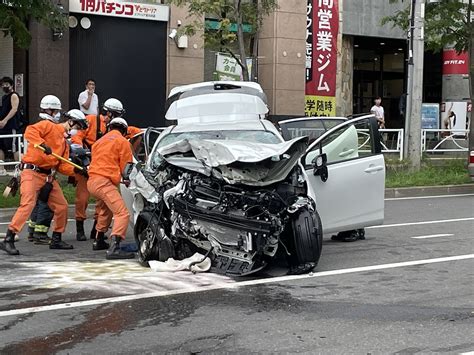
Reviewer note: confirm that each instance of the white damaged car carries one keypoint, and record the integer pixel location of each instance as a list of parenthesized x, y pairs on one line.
[(222, 181)]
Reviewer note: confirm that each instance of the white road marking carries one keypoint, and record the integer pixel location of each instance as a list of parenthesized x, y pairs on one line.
[(195, 289), (432, 236), (425, 197), (421, 223), (468, 353)]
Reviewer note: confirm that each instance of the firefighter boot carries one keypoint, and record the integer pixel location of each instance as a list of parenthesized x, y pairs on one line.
[(80, 235), (8, 244), (100, 242), (41, 238), (93, 230), (115, 252), (57, 243)]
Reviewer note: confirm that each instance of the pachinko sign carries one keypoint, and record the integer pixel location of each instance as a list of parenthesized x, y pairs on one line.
[(120, 8), (322, 27)]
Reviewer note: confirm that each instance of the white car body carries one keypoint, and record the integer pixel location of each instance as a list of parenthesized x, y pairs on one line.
[(353, 195)]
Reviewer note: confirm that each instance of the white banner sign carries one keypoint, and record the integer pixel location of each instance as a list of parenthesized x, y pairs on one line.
[(120, 8)]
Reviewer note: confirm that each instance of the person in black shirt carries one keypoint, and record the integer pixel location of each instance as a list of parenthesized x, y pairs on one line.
[(8, 118)]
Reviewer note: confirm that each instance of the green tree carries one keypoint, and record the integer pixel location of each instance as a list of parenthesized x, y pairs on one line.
[(231, 15), (447, 23), (15, 15)]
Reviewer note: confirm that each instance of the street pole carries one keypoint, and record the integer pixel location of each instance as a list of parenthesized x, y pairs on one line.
[(415, 85)]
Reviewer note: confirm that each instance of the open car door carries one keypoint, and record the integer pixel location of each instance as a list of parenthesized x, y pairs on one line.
[(142, 144), (345, 172)]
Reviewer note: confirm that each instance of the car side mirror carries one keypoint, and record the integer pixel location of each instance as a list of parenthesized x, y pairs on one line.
[(320, 167)]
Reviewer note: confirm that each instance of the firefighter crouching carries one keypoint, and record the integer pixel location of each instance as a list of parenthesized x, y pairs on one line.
[(110, 154), (39, 167)]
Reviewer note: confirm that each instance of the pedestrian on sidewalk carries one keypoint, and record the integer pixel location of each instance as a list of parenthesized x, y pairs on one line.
[(378, 111), (110, 154), (8, 120), (37, 168), (88, 99)]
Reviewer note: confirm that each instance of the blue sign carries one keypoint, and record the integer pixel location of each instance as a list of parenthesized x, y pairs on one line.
[(430, 116)]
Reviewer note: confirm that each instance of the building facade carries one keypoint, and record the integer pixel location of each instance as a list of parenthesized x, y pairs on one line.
[(125, 46)]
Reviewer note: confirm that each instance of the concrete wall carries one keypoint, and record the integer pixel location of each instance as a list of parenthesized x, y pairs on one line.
[(362, 18), (344, 84), (48, 63), (184, 66), (281, 70)]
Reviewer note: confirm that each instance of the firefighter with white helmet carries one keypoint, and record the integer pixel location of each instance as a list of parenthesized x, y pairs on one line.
[(39, 167), (40, 219), (110, 154), (97, 127), (50, 106)]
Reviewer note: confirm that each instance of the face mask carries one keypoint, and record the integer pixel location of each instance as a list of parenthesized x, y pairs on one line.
[(6, 89), (73, 132), (45, 116), (57, 117)]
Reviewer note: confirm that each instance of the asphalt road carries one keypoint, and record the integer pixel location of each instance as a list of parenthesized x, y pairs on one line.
[(392, 293)]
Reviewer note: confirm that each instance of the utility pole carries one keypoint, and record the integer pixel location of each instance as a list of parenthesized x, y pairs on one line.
[(415, 84)]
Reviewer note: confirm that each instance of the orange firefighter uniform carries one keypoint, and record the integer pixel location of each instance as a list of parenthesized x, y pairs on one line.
[(110, 154), (36, 167), (132, 131), (87, 138)]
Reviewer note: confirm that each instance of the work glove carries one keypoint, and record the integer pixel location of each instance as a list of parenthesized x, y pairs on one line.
[(82, 172), (47, 150)]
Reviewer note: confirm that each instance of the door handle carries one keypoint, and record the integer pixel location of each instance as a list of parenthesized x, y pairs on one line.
[(373, 169), (345, 153)]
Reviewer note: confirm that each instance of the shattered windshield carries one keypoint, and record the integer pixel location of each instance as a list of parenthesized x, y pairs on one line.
[(265, 137)]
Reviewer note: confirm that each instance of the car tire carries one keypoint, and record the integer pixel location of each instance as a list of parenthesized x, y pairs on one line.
[(305, 240), (162, 249)]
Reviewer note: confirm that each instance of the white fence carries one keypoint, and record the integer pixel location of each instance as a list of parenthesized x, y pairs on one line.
[(392, 141), (20, 143), (444, 140)]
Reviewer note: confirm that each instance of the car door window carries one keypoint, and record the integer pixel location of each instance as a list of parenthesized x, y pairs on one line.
[(312, 127), (350, 141), (138, 147)]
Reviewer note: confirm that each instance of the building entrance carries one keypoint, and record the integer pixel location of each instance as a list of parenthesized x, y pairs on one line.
[(127, 58)]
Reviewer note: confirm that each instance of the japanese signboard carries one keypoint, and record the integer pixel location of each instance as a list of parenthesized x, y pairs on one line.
[(119, 8), (322, 27), (227, 68), (454, 63)]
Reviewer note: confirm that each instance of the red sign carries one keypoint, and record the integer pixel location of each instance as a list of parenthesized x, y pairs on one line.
[(322, 27), (454, 63), (120, 8)]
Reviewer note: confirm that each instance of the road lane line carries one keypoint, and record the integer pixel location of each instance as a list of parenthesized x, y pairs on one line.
[(421, 223), (195, 289), (432, 236), (425, 197)]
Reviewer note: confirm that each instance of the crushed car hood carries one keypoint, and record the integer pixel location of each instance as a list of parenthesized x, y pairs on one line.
[(237, 162)]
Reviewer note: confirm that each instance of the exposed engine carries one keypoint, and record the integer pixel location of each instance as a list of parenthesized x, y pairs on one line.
[(190, 206)]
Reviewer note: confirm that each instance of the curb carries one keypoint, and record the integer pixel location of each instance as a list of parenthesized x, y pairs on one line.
[(429, 191)]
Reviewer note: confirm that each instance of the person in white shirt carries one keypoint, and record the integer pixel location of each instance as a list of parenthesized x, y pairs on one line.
[(378, 111), (88, 99)]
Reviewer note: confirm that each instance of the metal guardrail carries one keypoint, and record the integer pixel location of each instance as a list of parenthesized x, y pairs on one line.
[(444, 140), (21, 144), (392, 140)]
